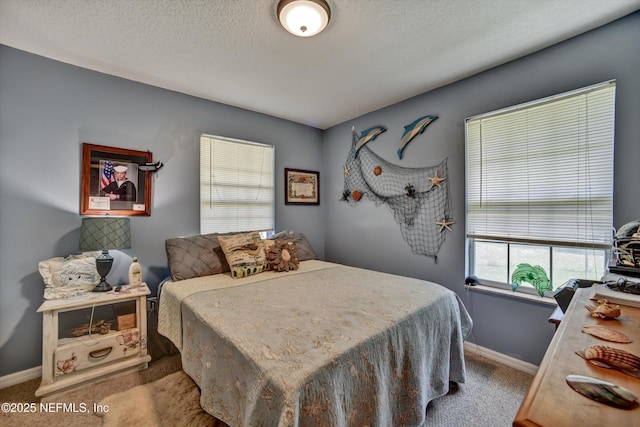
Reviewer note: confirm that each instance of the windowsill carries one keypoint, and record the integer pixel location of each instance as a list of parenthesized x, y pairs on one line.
[(511, 294)]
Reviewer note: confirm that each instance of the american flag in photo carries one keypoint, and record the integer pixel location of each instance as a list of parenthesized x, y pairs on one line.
[(107, 175)]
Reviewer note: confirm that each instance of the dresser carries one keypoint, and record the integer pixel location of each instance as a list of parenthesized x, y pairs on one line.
[(550, 402)]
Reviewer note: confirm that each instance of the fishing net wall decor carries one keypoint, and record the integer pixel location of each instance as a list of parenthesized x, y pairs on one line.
[(418, 197)]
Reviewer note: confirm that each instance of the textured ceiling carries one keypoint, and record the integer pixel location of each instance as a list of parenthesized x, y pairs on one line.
[(373, 53)]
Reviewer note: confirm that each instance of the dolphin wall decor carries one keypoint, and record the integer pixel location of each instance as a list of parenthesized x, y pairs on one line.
[(366, 136), (412, 130)]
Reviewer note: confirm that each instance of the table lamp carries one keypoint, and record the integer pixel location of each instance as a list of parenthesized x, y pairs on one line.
[(104, 233)]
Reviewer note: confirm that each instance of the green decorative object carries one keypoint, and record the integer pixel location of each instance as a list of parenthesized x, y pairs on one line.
[(533, 275), (410, 191)]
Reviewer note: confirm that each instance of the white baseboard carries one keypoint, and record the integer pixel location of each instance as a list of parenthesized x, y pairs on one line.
[(512, 362), (29, 374), (20, 377)]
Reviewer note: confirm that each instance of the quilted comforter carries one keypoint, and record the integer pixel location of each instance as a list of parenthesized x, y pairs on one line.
[(326, 345)]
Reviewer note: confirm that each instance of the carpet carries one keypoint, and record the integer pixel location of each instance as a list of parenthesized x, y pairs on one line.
[(171, 401), (490, 397)]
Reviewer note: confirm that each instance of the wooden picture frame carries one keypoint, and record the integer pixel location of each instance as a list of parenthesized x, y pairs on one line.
[(101, 194), (302, 187)]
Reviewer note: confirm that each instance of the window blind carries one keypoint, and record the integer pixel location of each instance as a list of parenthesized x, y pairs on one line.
[(542, 172), (236, 185)]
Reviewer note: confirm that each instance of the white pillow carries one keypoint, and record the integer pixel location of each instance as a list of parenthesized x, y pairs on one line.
[(70, 276)]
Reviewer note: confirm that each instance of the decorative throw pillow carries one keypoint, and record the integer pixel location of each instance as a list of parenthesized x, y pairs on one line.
[(305, 251), (282, 256), (244, 252), (73, 270), (195, 256), (70, 276), (267, 244)]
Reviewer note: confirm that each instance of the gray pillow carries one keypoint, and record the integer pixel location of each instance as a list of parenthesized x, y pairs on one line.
[(195, 256), (305, 250)]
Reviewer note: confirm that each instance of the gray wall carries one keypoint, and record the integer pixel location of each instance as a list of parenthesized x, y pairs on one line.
[(367, 236), (47, 110)]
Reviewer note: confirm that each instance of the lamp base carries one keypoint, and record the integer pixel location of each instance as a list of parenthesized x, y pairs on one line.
[(103, 266), (103, 286)]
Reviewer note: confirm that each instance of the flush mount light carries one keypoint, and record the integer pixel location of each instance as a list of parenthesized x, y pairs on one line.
[(304, 18)]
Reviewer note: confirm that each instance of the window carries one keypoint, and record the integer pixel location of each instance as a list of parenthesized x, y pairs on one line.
[(539, 180), (236, 185)]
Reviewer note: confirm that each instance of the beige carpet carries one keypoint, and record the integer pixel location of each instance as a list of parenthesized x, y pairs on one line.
[(171, 401), (164, 396), (490, 397), (87, 396)]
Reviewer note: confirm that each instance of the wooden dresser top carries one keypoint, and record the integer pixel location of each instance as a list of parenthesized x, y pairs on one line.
[(550, 402)]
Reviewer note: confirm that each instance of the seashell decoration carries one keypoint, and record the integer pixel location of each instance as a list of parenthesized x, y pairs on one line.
[(377, 170), (356, 195), (604, 310), (603, 391), (612, 358), (606, 334)]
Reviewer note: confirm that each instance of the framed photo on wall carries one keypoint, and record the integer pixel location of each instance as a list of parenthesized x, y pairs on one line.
[(113, 183), (301, 187)]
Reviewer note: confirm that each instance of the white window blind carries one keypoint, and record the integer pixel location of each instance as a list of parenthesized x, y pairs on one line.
[(542, 172), (236, 185)]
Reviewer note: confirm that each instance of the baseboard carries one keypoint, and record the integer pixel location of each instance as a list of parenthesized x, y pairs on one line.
[(20, 377), (29, 374), (512, 362)]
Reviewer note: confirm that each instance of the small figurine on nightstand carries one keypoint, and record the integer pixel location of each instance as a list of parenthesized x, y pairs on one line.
[(135, 274)]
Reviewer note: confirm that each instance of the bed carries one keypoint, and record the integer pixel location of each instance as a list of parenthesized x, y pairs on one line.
[(324, 345)]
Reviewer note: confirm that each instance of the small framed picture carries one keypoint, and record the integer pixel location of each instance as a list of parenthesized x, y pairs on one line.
[(112, 182), (302, 187)]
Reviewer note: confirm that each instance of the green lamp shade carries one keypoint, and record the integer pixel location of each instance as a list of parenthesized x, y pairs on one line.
[(105, 233)]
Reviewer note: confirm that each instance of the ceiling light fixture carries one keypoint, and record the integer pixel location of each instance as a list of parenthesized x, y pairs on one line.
[(304, 18)]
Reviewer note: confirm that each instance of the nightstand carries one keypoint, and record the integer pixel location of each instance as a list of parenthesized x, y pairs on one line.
[(69, 363)]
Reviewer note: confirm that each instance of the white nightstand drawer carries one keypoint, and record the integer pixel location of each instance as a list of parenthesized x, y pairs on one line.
[(88, 352)]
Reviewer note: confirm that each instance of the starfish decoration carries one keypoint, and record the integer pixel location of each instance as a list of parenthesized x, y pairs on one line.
[(436, 181), (346, 170), (445, 224)]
